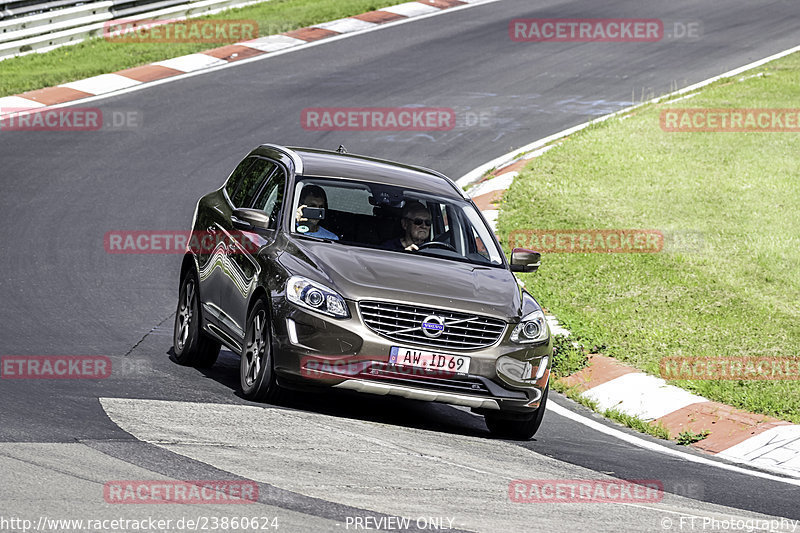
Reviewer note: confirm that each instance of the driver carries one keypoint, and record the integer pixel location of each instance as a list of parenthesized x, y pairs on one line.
[(416, 222)]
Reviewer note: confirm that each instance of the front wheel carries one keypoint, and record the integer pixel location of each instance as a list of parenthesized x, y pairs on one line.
[(192, 347), (517, 428), (256, 368)]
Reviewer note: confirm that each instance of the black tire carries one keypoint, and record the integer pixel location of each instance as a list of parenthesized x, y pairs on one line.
[(192, 347), (517, 427), (257, 368)]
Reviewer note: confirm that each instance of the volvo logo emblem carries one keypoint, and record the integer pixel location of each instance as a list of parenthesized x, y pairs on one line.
[(432, 326)]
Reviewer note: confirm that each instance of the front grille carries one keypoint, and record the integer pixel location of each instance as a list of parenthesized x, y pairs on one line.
[(403, 323)]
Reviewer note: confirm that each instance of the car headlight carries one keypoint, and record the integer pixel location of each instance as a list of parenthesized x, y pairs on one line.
[(532, 328), (310, 294)]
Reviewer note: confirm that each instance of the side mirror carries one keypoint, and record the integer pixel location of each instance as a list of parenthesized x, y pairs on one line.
[(524, 260), (249, 219)]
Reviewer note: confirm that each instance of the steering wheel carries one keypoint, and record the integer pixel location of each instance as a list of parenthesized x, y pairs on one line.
[(437, 244)]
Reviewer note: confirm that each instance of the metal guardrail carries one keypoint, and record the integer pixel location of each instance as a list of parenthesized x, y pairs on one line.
[(22, 8), (122, 8), (35, 26), (129, 8)]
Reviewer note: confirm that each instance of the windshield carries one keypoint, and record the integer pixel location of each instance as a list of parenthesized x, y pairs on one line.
[(375, 215)]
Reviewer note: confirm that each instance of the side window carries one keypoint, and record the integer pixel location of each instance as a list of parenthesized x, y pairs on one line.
[(271, 197), (236, 177), (480, 247), (440, 225), (253, 178)]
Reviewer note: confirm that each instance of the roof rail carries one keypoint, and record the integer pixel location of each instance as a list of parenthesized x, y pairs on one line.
[(378, 160)]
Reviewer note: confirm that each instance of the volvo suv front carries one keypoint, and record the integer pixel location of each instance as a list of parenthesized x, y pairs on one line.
[(345, 271)]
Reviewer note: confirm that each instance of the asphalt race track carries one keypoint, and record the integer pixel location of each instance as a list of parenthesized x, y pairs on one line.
[(322, 460)]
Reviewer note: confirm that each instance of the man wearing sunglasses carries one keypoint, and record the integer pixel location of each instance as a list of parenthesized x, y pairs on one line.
[(416, 222)]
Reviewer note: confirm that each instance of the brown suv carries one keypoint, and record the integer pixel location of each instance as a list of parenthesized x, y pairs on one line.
[(325, 268)]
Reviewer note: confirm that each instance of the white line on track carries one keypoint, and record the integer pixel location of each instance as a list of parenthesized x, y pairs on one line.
[(647, 445), (652, 446)]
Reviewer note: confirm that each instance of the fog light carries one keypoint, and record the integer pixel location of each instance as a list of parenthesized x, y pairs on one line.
[(542, 367), (514, 369), (519, 372)]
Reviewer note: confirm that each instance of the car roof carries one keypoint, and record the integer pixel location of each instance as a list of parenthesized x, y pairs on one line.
[(327, 163)]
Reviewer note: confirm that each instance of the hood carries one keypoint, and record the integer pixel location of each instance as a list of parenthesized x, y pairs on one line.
[(364, 274)]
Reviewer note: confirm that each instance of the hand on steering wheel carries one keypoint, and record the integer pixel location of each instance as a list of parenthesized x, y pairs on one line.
[(437, 244)]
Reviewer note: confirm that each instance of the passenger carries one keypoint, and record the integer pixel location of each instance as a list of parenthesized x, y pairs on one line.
[(313, 196), (416, 222)]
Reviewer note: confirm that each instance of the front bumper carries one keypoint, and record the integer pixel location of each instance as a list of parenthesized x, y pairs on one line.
[(314, 349)]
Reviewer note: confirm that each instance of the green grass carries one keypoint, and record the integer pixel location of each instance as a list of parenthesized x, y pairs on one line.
[(573, 394), (100, 56), (736, 294), (655, 429), (687, 437), (567, 358)]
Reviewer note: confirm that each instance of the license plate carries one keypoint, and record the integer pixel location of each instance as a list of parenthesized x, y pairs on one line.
[(440, 362)]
